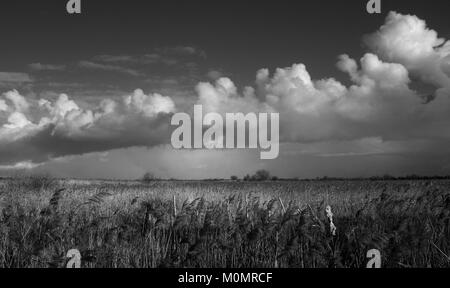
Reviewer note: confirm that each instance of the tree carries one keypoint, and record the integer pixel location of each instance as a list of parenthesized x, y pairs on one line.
[(148, 177), (261, 175), (234, 178)]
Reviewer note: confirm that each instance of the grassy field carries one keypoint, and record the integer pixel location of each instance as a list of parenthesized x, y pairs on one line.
[(224, 223)]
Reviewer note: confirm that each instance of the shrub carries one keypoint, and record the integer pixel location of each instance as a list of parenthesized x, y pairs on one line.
[(148, 177), (261, 175)]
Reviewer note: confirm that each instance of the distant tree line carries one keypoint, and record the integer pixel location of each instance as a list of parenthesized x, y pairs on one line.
[(384, 178), (260, 175), (149, 177), (264, 175)]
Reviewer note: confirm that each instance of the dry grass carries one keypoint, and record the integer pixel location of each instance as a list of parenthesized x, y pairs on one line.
[(224, 224)]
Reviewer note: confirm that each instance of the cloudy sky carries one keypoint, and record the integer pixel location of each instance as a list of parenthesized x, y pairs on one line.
[(92, 95)]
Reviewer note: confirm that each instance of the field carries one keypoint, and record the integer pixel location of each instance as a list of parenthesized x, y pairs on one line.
[(224, 223)]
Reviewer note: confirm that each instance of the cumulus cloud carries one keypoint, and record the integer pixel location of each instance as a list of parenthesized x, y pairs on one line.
[(36, 130), (3, 105), (380, 103), (317, 110), (19, 102), (407, 40)]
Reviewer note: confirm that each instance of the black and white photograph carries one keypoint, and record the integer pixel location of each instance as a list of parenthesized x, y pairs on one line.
[(229, 134)]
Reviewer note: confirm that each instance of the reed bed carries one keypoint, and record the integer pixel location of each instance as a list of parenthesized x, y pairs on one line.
[(280, 224)]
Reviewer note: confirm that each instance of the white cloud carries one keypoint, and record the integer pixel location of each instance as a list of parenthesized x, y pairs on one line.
[(405, 39), (47, 129), (3, 106), (24, 165), (379, 104), (149, 105), (19, 102), (17, 120), (445, 65)]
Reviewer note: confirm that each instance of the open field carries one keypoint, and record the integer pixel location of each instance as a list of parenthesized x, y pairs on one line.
[(224, 223)]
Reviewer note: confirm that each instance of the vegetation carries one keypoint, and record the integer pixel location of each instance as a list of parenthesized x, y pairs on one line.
[(260, 175), (148, 177), (225, 223)]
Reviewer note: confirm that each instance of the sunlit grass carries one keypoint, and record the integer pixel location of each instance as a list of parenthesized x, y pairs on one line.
[(223, 223)]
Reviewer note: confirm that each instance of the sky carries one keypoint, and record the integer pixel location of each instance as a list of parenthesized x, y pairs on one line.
[(92, 95)]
